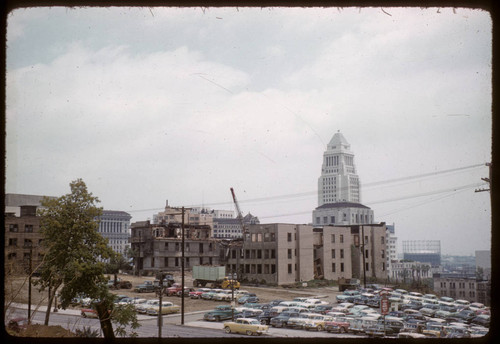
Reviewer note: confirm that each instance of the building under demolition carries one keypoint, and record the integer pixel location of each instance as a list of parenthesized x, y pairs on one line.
[(158, 247)]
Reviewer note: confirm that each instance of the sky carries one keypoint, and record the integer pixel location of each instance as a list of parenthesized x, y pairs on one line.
[(181, 104)]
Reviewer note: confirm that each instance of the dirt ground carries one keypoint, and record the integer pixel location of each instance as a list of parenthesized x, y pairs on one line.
[(16, 290)]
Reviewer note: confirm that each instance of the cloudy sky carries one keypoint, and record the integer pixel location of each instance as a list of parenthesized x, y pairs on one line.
[(181, 104)]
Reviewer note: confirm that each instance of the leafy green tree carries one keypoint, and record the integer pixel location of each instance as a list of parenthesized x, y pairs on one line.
[(75, 252)]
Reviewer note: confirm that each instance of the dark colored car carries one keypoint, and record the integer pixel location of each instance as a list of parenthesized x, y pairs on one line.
[(18, 324), (282, 319), (482, 319), (265, 317), (322, 309), (275, 302), (248, 299), (379, 330), (464, 316)]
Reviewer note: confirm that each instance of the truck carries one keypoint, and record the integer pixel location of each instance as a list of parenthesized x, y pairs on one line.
[(348, 284), (146, 287), (213, 275)]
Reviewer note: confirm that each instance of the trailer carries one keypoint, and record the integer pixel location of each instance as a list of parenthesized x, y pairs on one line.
[(214, 276)]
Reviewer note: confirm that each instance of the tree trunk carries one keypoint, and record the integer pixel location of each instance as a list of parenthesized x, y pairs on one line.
[(104, 317), (52, 294)]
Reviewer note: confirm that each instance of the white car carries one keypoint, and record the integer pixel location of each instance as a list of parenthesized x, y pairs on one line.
[(300, 321), (317, 322), (143, 307)]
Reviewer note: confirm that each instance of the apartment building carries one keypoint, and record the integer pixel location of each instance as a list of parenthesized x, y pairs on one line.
[(22, 240), (462, 286), (159, 246)]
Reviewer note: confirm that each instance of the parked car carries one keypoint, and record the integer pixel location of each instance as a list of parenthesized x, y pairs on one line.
[(196, 294), (222, 312), (248, 299), (247, 326), (18, 324), (146, 287), (317, 322), (166, 308), (89, 313), (347, 296), (379, 330), (282, 319), (251, 313), (143, 307), (337, 324), (482, 320), (265, 317), (300, 321), (322, 309)]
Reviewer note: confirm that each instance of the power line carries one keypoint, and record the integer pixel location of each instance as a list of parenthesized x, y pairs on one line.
[(315, 192)]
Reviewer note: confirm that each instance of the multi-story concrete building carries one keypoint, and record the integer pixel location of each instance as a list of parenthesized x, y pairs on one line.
[(159, 246), (409, 271), (464, 287), (115, 226), (276, 253), (231, 227), (339, 191), (23, 241), (392, 253)]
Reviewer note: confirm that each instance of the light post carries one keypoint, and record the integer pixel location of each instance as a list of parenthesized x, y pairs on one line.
[(182, 270)]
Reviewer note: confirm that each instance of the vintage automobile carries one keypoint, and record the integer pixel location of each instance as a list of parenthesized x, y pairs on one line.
[(300, 321), (18, 324), (265, 317), (196, 294), (224, 295), (174, 289), (337, 324), (379, 330), (166, 308), (347, 296), (248, 298), (247, 326), (317, 322), (282, 319), (89, 313), (142, 308), (146, 287), (222, 312)]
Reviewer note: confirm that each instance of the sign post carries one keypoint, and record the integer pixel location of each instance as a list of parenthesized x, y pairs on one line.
[(384, 306)]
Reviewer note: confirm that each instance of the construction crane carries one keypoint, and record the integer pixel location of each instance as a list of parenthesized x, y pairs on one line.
[(240, 216)]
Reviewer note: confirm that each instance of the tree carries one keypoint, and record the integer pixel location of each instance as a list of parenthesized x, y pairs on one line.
[(75, 252)]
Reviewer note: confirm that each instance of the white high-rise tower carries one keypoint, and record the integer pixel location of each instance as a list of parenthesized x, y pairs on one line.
[(338, 181), (339, 189)]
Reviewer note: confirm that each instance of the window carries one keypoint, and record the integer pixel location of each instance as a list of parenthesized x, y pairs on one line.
[(366, 253), (289, 237), (342, 253), (28, 228), (332, 219), (266, 254), (289, 268), (266, 269), (13, 242), (317, 220), (367, 267), (273, 268), (28, 243), (259, 268), (341, 238), (382, 240), (383, 254), (333, 267), (333, 238), (273, 237), (325, 219), (333, 254), (341, 267), (13, 227), (289, 253), (273, 254), (259, 254)]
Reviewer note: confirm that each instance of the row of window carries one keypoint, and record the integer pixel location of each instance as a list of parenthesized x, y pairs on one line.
[(27, 242), (461, 285), (14, 228)]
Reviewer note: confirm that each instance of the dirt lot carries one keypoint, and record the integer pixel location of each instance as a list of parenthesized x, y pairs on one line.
[(16, 290)]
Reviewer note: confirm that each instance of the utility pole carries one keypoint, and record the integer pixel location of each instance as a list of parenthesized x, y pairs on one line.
[(363, 253), (29, 284), (182, 272), (487, 180), (160, 319)]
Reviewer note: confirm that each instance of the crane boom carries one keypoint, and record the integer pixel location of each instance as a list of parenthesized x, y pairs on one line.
[(240, 215)]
